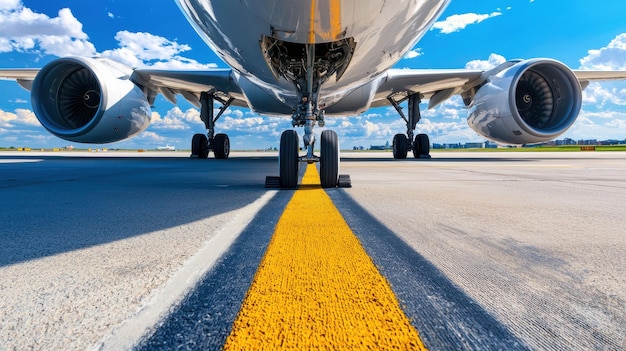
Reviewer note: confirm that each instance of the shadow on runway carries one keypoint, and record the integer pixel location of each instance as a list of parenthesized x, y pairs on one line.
[(445, 316), (440, 159), (57, 204)]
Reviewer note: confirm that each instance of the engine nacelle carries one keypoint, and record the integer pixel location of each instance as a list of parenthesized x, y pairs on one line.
[(89, 100), (530, 102)]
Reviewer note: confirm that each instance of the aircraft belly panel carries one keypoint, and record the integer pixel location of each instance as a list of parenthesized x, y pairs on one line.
[(383, 33)]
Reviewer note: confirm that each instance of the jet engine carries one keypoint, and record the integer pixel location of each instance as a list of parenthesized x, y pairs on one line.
[(89, 100), (528, 102)]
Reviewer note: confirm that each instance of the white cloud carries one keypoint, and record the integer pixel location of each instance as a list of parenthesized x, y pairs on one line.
[(493, 61), (605, 93), (602, 102), (26, 116), (176, 119), (413, 54), (148, 47), (6, 5), (19, 117), (26, 31), (610, 57), (6, 118), (151, 137), (456, 23), (144, 49)]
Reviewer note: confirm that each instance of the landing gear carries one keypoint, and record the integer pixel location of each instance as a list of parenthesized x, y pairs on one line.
[(288, 162), (401, 142), (218, 143), (322, 62)]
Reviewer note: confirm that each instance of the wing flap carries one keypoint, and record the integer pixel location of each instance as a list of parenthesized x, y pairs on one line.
[(593, 76), (23, 76), (438, 84), (190, 83)]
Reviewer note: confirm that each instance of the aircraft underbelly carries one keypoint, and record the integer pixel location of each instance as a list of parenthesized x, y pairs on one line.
[(383, 31)]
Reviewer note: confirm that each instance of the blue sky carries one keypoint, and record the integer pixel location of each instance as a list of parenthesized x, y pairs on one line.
[(583, 34)]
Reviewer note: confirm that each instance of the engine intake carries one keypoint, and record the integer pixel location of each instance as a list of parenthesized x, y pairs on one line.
[(530, 102), (89, 100)]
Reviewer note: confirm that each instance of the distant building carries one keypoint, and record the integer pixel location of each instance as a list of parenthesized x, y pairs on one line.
[(377, 147), (381, 147), (474, 146)]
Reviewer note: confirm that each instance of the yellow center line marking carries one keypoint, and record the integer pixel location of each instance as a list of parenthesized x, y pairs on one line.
[(316, 287)]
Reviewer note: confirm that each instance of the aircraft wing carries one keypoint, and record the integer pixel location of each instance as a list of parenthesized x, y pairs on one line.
[(190, 84), (593, 76), (23, 76), (440, 85), (436, 85), (166, 82)]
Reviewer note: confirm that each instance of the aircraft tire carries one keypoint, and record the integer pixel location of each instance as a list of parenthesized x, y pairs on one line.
[(288, 159), (199, 146), (400, 149), (421, 147), (329, 159), (221, 146)]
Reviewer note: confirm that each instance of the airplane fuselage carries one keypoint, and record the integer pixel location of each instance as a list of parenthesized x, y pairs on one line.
[(380, 34)]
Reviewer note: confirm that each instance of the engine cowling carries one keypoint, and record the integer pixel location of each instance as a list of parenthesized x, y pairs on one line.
[(89, 100), (532, 101)]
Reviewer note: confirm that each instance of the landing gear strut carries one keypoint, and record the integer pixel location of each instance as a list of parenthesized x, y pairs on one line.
[(218, 143), (420, 144), (308, 77)]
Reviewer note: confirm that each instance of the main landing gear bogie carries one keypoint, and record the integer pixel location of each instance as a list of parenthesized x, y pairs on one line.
[(420, 147), (202, 144), (402, 143)]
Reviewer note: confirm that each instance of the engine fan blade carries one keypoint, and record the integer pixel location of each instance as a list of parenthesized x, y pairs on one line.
[(535, 100), (79, 98)]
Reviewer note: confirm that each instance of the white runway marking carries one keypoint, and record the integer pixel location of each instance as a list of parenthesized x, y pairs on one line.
[(130, 332), (20, 160)]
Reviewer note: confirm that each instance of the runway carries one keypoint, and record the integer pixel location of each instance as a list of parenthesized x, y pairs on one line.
[(481, 250)]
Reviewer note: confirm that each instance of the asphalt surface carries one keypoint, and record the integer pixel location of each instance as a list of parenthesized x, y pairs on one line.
[(483, 251)]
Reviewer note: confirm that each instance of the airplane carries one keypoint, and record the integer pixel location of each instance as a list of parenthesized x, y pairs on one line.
[(167, 147), (307, 60)]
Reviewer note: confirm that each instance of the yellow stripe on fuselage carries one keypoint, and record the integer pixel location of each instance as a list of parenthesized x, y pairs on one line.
[(316, 287), (312, 23), (325, 20)]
